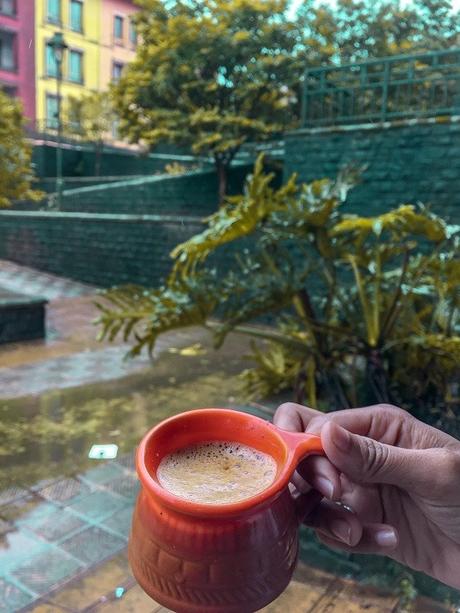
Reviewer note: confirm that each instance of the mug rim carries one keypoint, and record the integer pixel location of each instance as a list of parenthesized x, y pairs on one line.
[(217, 511)]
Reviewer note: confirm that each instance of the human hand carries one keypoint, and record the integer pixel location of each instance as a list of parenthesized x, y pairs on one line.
[(399, 478)]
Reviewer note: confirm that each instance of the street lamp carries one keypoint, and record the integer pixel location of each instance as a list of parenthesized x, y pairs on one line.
[(58, 45)]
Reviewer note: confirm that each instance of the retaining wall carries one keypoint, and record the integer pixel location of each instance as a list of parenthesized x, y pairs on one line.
[(408, 161)]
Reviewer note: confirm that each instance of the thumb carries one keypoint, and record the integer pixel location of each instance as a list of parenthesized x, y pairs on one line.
[(365, 460)]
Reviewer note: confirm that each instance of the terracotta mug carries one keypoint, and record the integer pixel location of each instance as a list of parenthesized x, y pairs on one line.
[(223, 558)]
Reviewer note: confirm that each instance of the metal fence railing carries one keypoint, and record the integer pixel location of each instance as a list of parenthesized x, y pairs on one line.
[(404, 86)]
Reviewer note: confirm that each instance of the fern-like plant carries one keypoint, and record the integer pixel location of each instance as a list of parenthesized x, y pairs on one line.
[(363, 309)]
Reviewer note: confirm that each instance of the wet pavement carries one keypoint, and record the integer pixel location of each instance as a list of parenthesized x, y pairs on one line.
[(65, 518)]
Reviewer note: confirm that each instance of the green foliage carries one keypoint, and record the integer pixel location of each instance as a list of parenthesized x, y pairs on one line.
[(92, 117), (16, 174), (365, 309), (210, 74), (348, 31), (176, 169)]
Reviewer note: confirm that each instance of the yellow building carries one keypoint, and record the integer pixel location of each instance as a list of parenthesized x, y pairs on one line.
[(79, 22)]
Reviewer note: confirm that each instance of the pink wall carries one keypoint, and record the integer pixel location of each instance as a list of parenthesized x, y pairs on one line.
[(23, 78), (115, 51)]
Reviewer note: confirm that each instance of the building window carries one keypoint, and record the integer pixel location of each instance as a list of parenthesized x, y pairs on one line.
[(51, 112), (10, 91), (53, 11), (117, 69), (50, 62), (132, 33), (7, 51), (76, 15), (8, 7), (75, 66), (118, 28)]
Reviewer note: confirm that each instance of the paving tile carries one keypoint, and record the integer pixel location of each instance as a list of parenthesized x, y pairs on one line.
[(103, 473), (22, 510), (297, 598), (16, 547), (5, 526), (43, 483), (350, 597), (102, 580), (47, 570), (98, 505), (12, 598), (134, 601), (93, 545), (63, 490), (120, 521), (127, 461), (127, 486), (12, 494), (50, 607), (56, 525)]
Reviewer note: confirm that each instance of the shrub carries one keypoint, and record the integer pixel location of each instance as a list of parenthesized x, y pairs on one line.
[(364, 309)]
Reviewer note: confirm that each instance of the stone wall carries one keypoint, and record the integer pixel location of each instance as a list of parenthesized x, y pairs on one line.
[(99, 249), (193, 193), (408, 161), (79, 160)]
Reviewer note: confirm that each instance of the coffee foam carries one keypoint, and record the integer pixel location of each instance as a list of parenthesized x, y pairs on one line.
[(216, 472)]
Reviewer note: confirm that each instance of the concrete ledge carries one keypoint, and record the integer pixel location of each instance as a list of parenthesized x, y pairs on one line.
[(99, 217), (380, 125), (22, 318)]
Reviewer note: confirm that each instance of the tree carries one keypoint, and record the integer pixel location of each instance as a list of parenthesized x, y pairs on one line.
[(211, 75), (92, 116), (16, 174), (364, 311), (349, 31)]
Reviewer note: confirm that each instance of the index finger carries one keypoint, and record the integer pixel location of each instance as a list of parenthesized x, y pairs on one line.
[(294, 417)]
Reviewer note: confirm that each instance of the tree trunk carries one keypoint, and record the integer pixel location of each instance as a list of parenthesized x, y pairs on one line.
[(222, 175), (377, 377), (98, 157)]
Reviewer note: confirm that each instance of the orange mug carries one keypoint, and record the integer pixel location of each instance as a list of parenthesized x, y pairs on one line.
[(223, 558)]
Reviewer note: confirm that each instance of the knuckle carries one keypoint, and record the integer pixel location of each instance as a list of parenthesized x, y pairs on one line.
[(287, 407), (394, 410), (448, 469), (376, 458)]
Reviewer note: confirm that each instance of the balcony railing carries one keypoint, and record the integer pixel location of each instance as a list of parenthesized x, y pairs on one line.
[(398, 87)]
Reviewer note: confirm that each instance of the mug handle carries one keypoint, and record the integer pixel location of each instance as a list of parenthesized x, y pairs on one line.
[(301, 444)]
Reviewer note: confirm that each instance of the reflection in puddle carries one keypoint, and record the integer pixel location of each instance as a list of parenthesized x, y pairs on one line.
[(50, 435)]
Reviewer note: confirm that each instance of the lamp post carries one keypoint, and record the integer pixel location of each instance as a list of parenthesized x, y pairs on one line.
[(58, 46)]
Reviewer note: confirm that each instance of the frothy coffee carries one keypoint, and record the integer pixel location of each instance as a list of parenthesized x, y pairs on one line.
[(217, 472)]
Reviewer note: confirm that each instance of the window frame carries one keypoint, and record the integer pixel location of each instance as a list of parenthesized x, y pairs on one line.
[(81, 4), (118, 40), (80, 53), (49, 122), (14, 54), (50, 18), (133, 40), (56, 63), (5, 13), (120, 64)]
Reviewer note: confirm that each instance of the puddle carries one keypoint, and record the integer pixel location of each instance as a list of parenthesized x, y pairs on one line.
[(49, 435)]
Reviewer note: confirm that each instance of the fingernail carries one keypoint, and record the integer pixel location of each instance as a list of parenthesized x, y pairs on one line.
[(341, 530), (386, 537), (341, 438), (323, 485)]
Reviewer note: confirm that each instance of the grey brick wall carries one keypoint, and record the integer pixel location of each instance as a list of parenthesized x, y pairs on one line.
[(406, 163), (194, 193), (100, 249)]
